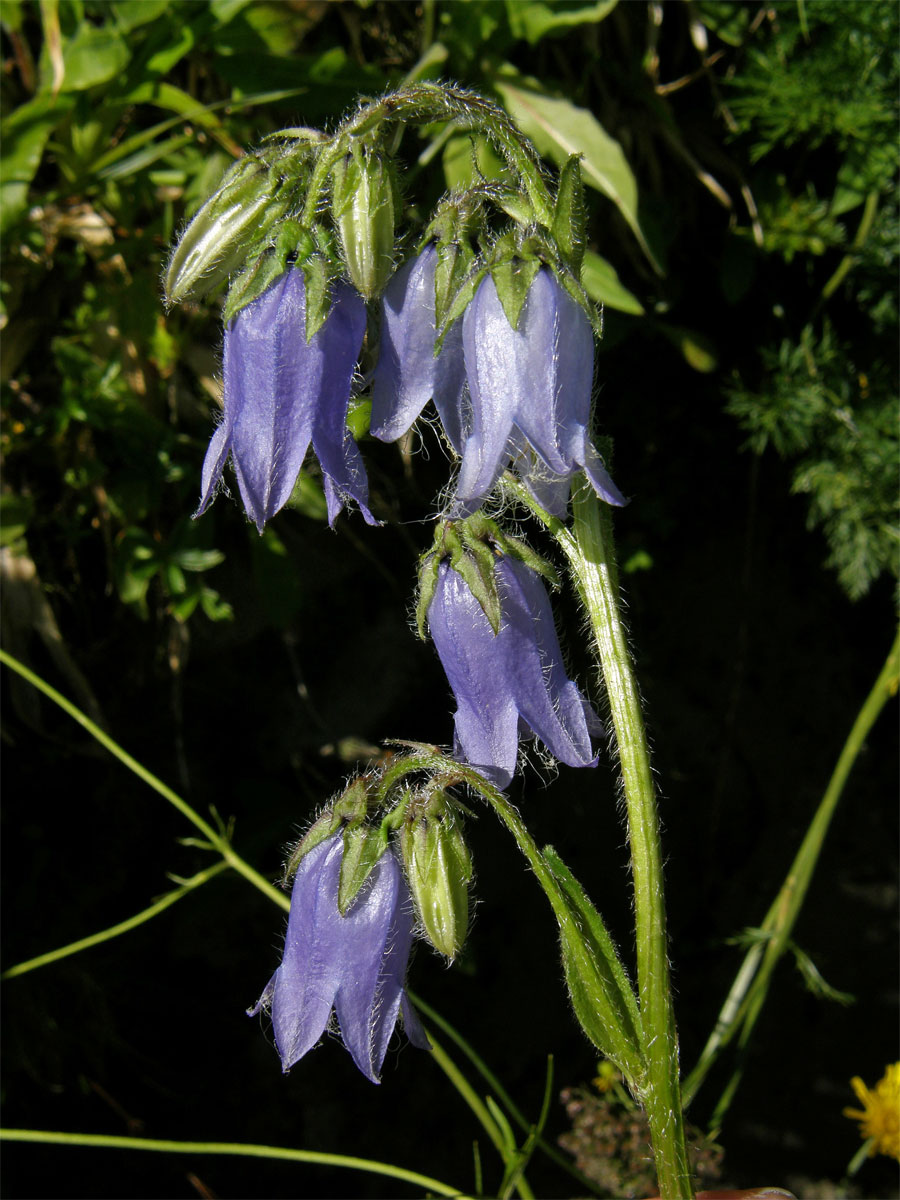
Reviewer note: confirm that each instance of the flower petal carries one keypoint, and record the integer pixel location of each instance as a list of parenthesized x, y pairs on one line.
[(408, 375), (494, 371), (486, 721), (272, 381), (337, 345), (310, 973), (547, 699)]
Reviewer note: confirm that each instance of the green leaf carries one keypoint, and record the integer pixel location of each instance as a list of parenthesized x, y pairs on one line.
[(171, 52), (533, 19), (94, 55), (198, 560), (559, 129), (15, 515), (131, 14), (226, 10), (23, 136), (601, 995), (602, 284)]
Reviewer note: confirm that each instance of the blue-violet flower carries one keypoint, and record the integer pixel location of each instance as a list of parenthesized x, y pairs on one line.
[(281, 393), (512, 682), (355, 964), (408, 375), (533, 383)]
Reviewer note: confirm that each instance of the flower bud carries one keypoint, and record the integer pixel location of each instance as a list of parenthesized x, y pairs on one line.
[(439, 869), (364, 215), (216, 242)]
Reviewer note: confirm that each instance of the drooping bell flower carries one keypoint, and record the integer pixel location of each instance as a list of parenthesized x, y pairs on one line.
[(512, 682), (354, 965), (408, 375), (533, 383), (281, 393)]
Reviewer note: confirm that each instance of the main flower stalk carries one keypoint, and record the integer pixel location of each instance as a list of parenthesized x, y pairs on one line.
[(588, 545)]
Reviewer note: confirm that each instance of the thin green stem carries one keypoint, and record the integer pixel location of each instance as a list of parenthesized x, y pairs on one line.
[(589, 548), (217, 840), (233, 1149), (126, 926), (748, 992), (429, 102), (494, 1083), (478, 1107)]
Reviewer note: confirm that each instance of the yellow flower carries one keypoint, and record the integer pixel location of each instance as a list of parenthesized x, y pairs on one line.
[(879, 1118)]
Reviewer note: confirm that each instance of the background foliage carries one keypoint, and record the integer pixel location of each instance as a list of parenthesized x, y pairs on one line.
[(742, 169)]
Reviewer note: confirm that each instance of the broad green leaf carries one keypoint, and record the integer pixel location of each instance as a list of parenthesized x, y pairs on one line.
[(15, 515), (11, 14), (24, 136), (531, 19), (94, 55), (602, 284), (130, 14), (171, 52), (226, 10), (559, 128), (198, 560)]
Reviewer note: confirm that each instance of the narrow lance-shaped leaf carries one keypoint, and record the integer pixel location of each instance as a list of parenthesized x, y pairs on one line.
[(601, 995)]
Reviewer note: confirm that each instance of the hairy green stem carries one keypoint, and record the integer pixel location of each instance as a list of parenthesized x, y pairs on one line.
[(748, 992), (479, 1109), (425, 103), (589, 548), (592, 559), (235, 1149)]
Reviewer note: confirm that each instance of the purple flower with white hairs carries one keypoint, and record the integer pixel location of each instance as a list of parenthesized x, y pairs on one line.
[(408, 375), (281, 393), (354, 965), (510, 683), (530, 384)]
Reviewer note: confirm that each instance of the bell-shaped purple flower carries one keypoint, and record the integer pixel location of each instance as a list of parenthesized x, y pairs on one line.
[(532, 383), (408, 375), (354, 964), (511, 682), (281, 393)]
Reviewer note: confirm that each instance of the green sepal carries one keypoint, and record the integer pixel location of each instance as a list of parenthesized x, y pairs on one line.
[(363, 846), (364, 210), (454, 263), (428, 575), (458, 302), (513, 274), (318, 293), (323, 827), (473, 546), (292, 241), (439, 871), (518, 206), (351, 809), (603, 999), (569, 215), (474, 562)]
